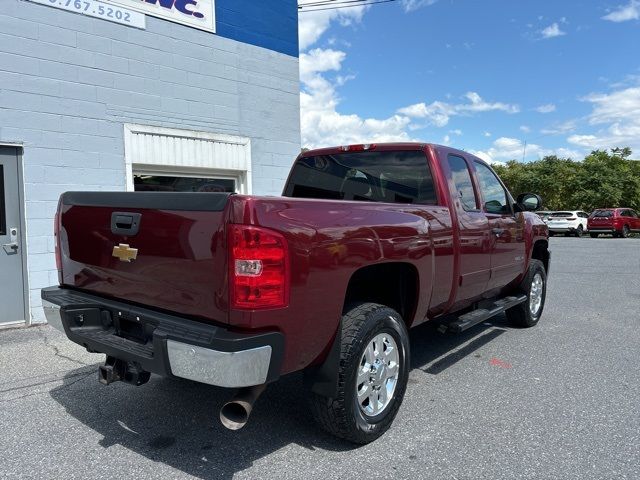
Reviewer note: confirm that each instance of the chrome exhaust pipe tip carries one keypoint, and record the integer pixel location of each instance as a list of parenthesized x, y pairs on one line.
[(235, 413)]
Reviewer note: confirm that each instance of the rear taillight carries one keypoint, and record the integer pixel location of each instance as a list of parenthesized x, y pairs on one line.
[(258, 268), (56, 235)]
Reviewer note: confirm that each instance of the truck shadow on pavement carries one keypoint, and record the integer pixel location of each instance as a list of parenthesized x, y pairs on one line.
[(175, 422)]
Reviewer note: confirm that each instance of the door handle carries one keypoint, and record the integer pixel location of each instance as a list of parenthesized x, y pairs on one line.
[(125, 223), (497, 231), (10, 248)]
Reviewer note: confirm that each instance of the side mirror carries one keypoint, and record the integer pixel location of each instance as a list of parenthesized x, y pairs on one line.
[(529, 202)]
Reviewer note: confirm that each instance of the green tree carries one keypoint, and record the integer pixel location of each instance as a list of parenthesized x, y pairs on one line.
[(603, 179)]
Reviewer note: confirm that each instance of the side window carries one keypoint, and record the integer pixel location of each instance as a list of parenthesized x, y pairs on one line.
[(633, 213), (462, 181), (407, 185), (494, 194)]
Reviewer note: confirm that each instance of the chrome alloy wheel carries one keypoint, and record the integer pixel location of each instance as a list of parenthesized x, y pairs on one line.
[(378, 375), (535, 294)]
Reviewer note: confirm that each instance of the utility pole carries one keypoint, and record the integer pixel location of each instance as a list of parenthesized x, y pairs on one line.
[(524, 151)]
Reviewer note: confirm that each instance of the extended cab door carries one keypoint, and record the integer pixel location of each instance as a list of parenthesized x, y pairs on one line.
[(507, 228), (474, 243)]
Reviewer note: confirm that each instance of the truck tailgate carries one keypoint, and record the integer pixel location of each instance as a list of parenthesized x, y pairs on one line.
[(158, 249)]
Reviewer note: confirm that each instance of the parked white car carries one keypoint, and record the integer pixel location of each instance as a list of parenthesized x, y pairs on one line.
[(544, 215), (568, 222)]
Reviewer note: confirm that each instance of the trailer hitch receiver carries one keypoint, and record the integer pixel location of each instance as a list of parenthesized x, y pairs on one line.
[(115, 370)]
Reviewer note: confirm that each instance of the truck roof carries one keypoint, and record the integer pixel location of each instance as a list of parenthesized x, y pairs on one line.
[(381, 147)]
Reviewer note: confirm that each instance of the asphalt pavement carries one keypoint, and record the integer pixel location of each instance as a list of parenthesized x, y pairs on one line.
[(561, 400)]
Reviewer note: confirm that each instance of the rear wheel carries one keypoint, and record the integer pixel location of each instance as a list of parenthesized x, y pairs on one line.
[(593, 235), (372, 376), (625, 232), (579, 231), (534, 286)]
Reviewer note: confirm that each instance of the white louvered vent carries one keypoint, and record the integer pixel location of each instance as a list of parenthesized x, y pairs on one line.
[(155, 149)]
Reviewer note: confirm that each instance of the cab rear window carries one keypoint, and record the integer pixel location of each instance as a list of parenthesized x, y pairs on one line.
[(389, 176)]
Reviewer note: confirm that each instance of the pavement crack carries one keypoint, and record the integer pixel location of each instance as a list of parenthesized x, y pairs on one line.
[(44, 382), (58, 353), (33, 394)]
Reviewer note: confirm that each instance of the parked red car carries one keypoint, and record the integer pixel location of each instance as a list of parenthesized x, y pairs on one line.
[(620, 222)]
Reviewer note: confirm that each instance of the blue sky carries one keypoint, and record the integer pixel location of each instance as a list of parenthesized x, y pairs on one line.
[(564, 76)]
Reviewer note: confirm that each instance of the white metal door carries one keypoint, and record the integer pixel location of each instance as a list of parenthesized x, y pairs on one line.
[(12, 305)]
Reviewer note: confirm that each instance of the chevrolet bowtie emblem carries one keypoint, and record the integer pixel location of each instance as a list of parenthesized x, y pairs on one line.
[(125, 253)]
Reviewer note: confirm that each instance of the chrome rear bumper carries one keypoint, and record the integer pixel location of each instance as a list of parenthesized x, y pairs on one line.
[(169, 345)]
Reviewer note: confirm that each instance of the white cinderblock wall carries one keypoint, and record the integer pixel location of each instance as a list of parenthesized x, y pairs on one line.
[(69, 83)]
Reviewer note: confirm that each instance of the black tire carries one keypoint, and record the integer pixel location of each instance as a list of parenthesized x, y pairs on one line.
[(521, 315), (342, 416), (625, 232), (594, 235), (579, 231)]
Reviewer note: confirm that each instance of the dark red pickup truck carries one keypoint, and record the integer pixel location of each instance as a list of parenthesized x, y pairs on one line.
[(366, 242)]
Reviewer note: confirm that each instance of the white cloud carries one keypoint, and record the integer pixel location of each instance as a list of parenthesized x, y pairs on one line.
[(312, 25), (552, 31), (320, 60), (411, 5), (505, 149), (547, 108), (618, 115), (486, 157), (321, 123), (487, 134), (560, 128), (625, 12), (525, 129), (439, 113), (446, 140), (457, 131)]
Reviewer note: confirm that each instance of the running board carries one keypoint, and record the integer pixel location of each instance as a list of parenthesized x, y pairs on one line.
[(468, 320)]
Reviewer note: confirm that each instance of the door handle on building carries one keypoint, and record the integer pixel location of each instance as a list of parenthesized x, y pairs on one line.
[(10, 248)]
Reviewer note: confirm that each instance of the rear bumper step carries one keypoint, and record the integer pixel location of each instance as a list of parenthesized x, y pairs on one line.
[(163, 344), (468, 320)]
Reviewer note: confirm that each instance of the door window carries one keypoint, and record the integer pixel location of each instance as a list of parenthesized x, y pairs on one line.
[(462, 180), (3, 219), (633, 214), (493, 193)]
